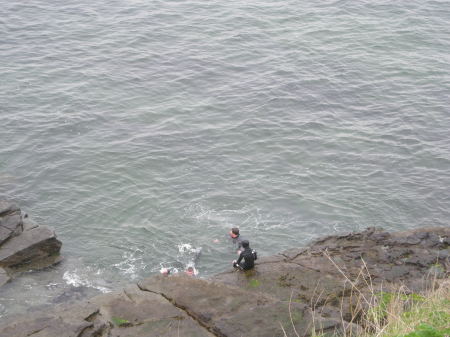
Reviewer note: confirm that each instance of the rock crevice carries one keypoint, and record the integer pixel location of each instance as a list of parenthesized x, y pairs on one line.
[(186, 310)]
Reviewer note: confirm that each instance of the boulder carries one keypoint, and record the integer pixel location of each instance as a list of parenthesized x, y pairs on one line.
[(29, 247), (24, 245)]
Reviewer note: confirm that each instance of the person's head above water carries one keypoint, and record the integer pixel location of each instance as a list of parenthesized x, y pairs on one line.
[(190, 271), (245, 244), (234, 233)]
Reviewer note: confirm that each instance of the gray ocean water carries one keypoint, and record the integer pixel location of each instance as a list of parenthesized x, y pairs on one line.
[(143, 130)]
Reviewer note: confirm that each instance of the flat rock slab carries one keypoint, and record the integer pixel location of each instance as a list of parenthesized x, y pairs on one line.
[(286, 281), (275, 319), (148, 314), (129, 313), (30, 246), (233, 311), (46, 326), (207, 300)]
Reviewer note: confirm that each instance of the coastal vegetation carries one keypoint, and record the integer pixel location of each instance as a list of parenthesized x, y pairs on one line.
[(400, 313), (414, 315)]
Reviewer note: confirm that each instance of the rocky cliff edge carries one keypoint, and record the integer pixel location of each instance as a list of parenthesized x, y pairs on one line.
[(324, 286)]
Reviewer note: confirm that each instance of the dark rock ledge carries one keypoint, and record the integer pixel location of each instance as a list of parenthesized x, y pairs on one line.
[(328, 281), (23, 244)]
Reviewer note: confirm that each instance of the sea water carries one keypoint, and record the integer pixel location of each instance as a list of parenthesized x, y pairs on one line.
[(143, 130)]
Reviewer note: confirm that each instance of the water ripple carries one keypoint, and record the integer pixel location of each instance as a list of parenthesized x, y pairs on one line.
[(134, 127)]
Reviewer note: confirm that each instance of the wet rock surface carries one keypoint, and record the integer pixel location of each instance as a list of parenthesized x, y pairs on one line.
[(24, 245), (319, 287)]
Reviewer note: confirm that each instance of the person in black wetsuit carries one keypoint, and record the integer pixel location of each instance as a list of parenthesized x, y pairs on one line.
[(247, 257)]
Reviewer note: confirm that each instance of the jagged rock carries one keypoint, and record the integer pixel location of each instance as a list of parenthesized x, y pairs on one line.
[(24, 244), (29, 247)]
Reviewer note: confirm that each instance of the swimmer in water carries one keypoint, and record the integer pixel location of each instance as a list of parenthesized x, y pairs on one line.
[(190, 271), (237, 239), (165, 271)]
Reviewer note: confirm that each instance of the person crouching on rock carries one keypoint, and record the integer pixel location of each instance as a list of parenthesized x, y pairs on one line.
[(247, 257)]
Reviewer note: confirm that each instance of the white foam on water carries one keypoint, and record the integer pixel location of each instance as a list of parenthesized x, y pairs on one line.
[(187, 253), (132, 263), (187, 257), (81, 279), (52, 285), (186, 249)]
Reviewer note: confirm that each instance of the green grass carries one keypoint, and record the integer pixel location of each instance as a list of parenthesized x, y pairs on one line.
[(379, 312), (120, 321), (425, 330), (397, 313), (407, 315), (428, 317), (254, 283)]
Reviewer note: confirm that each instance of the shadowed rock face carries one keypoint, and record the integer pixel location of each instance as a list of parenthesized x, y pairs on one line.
[(24, 244), (279, 297)]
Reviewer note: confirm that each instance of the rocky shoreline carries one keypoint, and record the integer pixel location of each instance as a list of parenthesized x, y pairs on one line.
[(324, 286), (24, 245)]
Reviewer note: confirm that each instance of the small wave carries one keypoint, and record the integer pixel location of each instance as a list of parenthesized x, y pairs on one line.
[(132, 263), (187, 248), (172, 270), (188, 253), (76, 279), (187, 257)]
